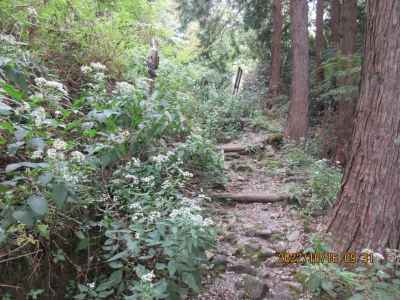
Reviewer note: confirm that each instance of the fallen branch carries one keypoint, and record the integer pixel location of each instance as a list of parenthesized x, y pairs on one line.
[(253, 197)]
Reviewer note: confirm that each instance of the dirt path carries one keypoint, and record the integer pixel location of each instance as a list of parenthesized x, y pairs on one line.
[(246, 265)]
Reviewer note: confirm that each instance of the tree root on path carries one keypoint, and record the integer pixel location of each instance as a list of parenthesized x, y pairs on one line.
[(273, 140), (252, 197)]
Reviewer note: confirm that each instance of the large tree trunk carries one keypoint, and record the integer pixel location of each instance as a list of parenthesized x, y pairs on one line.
[(319, 40), (367, 214), (298, 105), (346, 105), (335, 23), (274, 84)]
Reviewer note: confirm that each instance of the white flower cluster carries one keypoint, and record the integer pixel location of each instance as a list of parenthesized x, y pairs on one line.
[(159, 158), (8, 38), (59, 144), (134, 162), (162, 158), (98, 67), (148, 277), (135, 205), (154, 216), (43, 83), (186, 213), (187, 174), (121, 137), (148, 179), (53, 154), (37, 154), (86, 70), (39, 116), (77, 156), (124, 88)]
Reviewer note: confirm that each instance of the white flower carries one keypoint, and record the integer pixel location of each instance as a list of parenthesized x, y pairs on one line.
[(187, 174), (155, 215), (137, 235), (59, 144), (159, 158), (8, 38), (71, 178), (32, 12), (36, 96), (132, 178), (148, 277), (37, 154), (208, 222), (52, 153), (77, 156), (91, 285), (57, 86), (86, 70), (99, 76), (136, 162), (98, 66), (40, 81), (121, 137), (148, 179), (39, 115), (135, 205), (124, 88)]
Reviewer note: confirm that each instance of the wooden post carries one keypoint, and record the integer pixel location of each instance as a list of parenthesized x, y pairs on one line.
[(237, 81), (153, 61)]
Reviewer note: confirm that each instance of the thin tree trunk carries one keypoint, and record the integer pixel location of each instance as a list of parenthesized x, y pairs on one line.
[(319, 40), (346, 105), (298, 106), (367, 214), (274, 84), (335, 23)]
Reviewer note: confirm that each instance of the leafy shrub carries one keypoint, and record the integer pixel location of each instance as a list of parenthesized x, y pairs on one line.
[(75, 195), (375, 276), (325, 184)]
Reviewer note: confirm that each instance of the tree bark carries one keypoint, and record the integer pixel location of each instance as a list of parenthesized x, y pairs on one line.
[(274, 84), (335, 23), (346, 105), (319, 40), (298, 105), (367, 214)]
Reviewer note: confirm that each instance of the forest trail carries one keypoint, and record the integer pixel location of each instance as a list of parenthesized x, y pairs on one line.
[(245, 262)]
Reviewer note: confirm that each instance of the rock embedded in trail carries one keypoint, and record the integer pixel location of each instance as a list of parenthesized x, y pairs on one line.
[(242, 268), (255, 288), (293, 236)]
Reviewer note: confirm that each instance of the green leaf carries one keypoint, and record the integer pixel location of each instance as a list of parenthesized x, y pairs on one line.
[(12, 92), (3, 235), (45, 178), (171, 268), (357, 297), (43, 230), (191, 281), (24, 217), (120, 255), (38, 204), (60, 193)]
